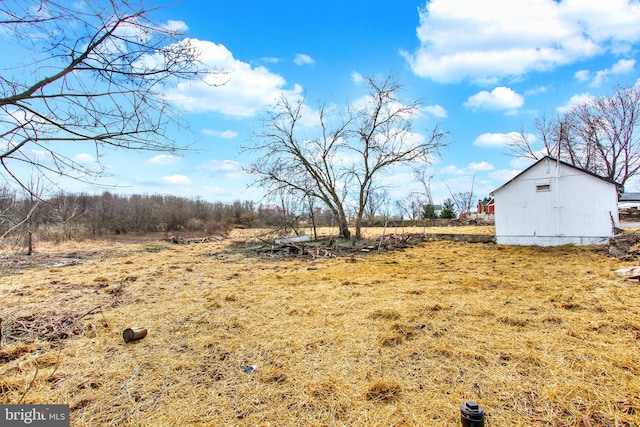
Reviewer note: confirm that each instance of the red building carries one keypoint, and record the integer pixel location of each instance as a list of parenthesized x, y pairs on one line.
[(486, 206)]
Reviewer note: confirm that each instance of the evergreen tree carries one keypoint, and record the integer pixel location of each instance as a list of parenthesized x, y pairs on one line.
[(429, 212), (448, 209)]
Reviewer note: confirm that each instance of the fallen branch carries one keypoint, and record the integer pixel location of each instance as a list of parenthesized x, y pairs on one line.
[(30, 385), (90, 312)]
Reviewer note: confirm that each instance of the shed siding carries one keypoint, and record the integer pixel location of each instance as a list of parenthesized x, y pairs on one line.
[(577, 208)]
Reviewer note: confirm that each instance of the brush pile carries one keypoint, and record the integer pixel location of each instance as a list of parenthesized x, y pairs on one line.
[(625, 246), (49, 327)]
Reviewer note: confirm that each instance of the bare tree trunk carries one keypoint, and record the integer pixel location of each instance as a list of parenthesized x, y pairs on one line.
[(359, 227), (315, 229), (312, 214), (29, 242), (344, 229)]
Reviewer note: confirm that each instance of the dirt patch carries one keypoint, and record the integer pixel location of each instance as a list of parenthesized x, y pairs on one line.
[(50, 255)]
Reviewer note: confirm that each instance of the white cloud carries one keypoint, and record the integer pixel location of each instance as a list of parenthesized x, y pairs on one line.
[(357, 78), (302, 59), (493, 39), (582, 75), (452, 170), (41, 156), (480, 167), (398, 182), (226, 168), (175, 26), (164, 160), (470, 169), (84, 158), (225, 134), (537, 90), (504, 175), (574, 101), (521, 163), (499, 140), (238, 90), (623, 66), (176, 179), (459, 184), (500, 98), (435, 110)]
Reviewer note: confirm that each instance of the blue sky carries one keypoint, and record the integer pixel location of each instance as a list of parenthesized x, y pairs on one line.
[(482, 69)]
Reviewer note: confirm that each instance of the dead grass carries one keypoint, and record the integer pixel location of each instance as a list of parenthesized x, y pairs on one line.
[(537, 336)]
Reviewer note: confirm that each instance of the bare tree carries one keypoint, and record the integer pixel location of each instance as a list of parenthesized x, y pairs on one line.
[(64, 211), (424, 175), (545, 143), (20, 215), (28, 218), (608, 129), (599, 135), (303, 167), (292, 208), (86, 72), (8, 203), (310, 202), (411, 206), (32, 203), (464, 200), (375, 201), (344, 162)]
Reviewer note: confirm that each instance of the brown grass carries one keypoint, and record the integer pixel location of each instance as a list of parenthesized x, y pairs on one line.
[(537, 336)]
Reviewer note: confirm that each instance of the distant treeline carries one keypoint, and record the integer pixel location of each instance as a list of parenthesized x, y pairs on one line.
[(72, 216)]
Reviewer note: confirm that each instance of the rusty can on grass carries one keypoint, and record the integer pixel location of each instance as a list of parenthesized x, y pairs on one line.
[(472, 414), (133, 334)]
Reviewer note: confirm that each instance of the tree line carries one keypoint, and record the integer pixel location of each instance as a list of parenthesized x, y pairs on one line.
[(75, 216), (67, 216)]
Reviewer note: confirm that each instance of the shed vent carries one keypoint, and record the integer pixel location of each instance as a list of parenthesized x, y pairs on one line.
[(543, 185)]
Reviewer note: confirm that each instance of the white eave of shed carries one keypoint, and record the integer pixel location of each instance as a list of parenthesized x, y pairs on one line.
[(551, 159)]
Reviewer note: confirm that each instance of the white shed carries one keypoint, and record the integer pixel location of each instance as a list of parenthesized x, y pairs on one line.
[(553, 203)]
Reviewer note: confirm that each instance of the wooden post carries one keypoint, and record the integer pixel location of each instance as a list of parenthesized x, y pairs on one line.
[(134, 334)]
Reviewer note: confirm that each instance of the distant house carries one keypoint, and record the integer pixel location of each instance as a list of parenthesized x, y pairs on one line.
[(629, 207), (437, 210), (629, 201), (486, 206), (554, 203)]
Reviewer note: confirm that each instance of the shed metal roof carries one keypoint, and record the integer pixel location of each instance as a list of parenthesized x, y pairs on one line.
[(630, 197)]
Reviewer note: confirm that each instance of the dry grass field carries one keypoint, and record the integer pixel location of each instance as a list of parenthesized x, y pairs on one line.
[(537, 336)]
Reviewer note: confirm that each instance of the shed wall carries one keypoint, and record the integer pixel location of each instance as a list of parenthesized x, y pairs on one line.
[(553, 204)]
